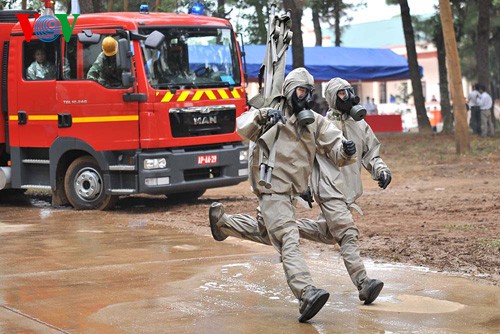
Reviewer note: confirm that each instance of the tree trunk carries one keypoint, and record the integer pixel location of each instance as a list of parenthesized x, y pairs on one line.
[(336, 14), (482, 49), (92, 6), (317, 28), (99, 6), (424, 126), (443, 83), (86, 7), (220, 9), (295, 6), (262, 27), (457, 93)]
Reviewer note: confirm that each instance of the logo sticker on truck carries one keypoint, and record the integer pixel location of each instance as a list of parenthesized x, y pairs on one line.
[(204, 120), (47, 27)]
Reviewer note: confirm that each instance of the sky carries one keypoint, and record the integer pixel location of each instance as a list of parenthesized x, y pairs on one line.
[(377, 10)]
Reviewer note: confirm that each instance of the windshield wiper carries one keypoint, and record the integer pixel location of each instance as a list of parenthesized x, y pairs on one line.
[(214, 84), (171, 87)]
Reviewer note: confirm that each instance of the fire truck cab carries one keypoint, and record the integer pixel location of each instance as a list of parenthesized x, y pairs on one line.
[(167, 127)]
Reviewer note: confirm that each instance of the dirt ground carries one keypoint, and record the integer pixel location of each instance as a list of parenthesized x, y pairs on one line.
[(441, 211)]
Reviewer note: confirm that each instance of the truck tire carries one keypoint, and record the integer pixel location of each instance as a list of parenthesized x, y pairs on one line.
[(186, 197), (84, 186)]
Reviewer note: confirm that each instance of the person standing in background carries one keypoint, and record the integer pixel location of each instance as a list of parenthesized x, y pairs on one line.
[(475, 111), (369, 106), (374, 106), (487, 125)]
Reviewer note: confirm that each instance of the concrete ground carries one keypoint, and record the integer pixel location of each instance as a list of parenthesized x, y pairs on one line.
[(64, 271)]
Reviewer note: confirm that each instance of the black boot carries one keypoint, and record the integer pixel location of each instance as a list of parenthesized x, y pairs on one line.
[(312, 301), (215, 214), (370, 290)]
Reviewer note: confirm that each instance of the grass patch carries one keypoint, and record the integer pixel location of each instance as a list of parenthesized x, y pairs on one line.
[(494, 243), (463, 227)]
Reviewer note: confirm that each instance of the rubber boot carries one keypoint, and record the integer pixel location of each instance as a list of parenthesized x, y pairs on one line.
[(215, 213)]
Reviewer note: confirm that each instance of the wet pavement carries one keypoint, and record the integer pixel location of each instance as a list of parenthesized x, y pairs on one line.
[(64, 271)]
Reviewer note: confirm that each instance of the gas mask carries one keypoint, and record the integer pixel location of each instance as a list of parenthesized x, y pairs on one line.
[(350, 104), (301, 109)]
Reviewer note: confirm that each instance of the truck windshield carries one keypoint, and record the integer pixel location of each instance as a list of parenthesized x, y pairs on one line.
[(193, 57)]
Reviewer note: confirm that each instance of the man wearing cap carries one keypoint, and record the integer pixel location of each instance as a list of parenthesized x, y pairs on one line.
[(104, 69)]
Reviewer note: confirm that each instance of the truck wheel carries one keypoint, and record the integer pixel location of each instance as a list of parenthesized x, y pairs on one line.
[(186, 197), (84, 186)]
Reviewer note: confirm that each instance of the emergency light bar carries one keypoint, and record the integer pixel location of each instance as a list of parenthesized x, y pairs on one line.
[(196, 8), (144, 9)]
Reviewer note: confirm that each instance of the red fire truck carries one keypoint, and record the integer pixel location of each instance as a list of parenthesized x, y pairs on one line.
[(167, 128)]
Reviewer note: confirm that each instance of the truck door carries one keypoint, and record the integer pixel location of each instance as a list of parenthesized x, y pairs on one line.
[(35, 101), (94, 111)]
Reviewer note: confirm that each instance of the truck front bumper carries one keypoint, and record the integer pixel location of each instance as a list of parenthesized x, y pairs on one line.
[(187, 170)]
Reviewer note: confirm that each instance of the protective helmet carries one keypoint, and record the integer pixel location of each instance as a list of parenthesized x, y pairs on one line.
[(109, 46)]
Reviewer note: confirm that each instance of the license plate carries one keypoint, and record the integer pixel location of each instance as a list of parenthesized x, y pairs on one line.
[(207, 159)]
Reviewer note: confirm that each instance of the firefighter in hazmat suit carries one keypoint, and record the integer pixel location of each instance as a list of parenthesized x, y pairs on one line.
[(335, 189), (296, 140)]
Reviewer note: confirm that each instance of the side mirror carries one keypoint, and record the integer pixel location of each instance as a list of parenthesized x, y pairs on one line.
[(124, 62), (123, 57), (87, 37), (154, 40)]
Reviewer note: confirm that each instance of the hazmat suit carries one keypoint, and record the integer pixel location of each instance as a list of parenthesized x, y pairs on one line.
[(296, 145), (336, 190)]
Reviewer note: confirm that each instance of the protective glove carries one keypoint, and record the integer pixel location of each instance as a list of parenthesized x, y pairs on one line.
[(308, 197), (349, 147), (384, 179), (274, 116)]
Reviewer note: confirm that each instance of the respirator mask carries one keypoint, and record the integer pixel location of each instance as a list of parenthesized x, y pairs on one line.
[(301, 108), (350, 104)]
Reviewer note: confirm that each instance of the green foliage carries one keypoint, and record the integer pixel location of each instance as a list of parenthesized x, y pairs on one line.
[(256, 13), (493, 243), (465, 18), (426, 29), (327, 10), (403, 95), (7, 4), (36, 5)]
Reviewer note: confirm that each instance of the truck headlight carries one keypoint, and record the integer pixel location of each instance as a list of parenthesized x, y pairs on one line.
[(155, 163), (243, 155)]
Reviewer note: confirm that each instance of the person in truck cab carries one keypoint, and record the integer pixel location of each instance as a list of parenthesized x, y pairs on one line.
[(41, 69), (104, 70)]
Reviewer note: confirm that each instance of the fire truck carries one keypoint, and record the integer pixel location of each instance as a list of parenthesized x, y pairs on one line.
[(167, 128)]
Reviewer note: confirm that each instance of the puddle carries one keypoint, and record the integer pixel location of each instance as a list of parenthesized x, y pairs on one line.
[(414, 304), (186, 247), (89, 231), (9, 228)]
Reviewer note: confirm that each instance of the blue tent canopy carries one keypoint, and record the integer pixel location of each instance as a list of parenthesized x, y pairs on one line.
[(325, 63)]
